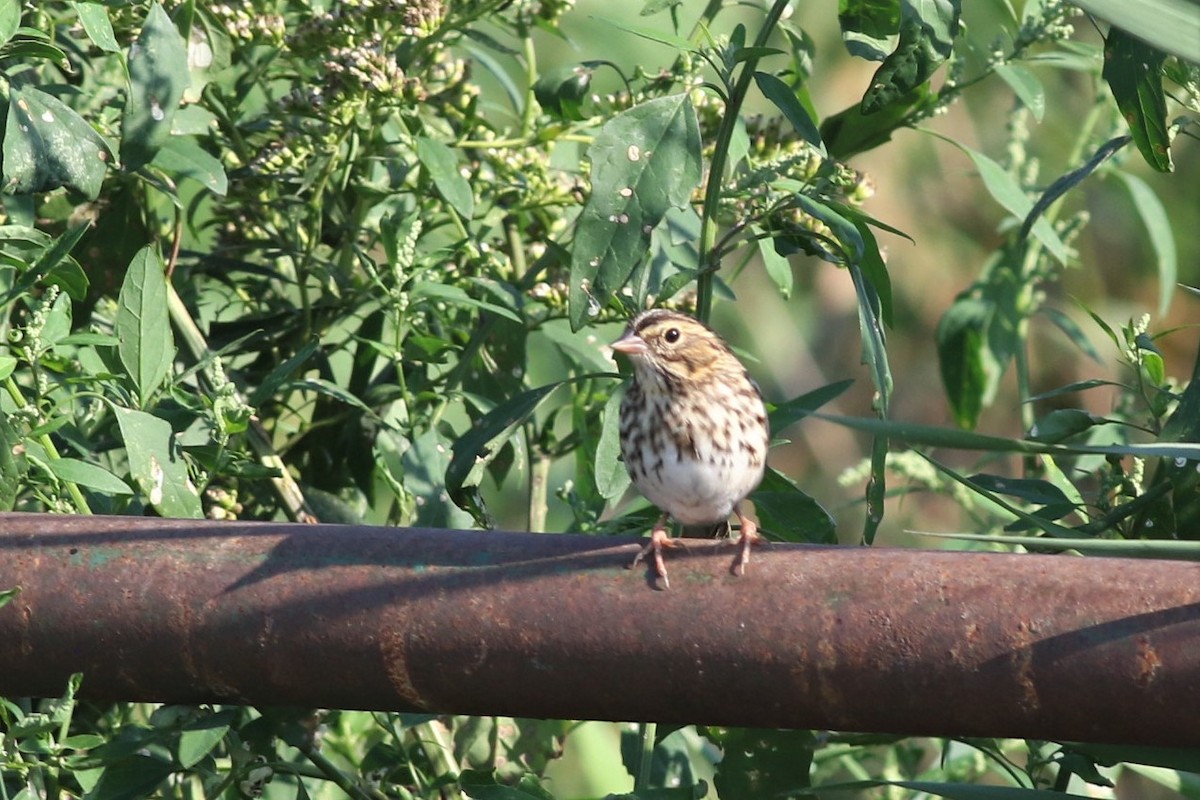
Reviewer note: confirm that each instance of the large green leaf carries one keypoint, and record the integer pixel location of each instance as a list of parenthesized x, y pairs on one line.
[(798, 408), (97, 25), (785, 99), (1066, 182), (147, 346), (1154, 217), (183, 157), (789, 514), (54, 265), (927, 32), (869, 27), (1006, 191), (47, 146), (199, 737), (476, 448), (645, 161), (442, 165), (1133, 70), (1170, 25), (89, 476), (10, 19), (157, 465), (158, 76), (12, 465), (612, 478)]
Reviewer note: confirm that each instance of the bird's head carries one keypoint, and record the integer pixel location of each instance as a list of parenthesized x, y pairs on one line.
[(675, 346)]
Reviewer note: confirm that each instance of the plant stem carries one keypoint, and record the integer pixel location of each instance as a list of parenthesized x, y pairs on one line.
[(330, 770), (647, 732), (81, 503), (539, 482), (716, 169)]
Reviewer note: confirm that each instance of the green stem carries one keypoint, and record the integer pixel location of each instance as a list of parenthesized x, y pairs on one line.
[(539, 482), (716, 171), (439, 749), (330, 771), (81, 503), (647, 731), (528, 114)]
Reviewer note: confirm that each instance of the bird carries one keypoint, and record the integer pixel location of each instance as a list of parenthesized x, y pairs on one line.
[(693, 430)]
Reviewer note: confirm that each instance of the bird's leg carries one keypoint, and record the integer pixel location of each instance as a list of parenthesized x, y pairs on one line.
[(749, 537), (659, 538)]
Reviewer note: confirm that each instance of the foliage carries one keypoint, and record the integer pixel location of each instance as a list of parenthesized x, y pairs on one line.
[(351, 261)]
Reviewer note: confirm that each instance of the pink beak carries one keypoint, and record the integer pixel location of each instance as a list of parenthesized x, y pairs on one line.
[(630, 344)]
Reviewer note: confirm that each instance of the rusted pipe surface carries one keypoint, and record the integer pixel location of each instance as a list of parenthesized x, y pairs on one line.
[(904, 641)]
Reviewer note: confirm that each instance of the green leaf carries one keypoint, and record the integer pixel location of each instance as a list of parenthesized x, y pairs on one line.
[(844, 231), (1070, 180), (157, 466), (969, 375), (653, 34), (561, 92), (47, 145), (850, 132), (88, 475), (1170, 25), (1005, 190), (1060, 424), (798, 408), (871, 262), (1133, 71), (1162, 240), (420, 466), (8, 595), (147, 345), (97, 25), (1120, 548), (790, 514), (131, 777), (199, 737), (10, 19), (282, 372), (457, 295), (476, 448), (964, 791), (933, 436), (158, 76), (763, 763), (779, 269), (482, 785), (785, 99), (1031, 490), (183, 157), (874, 339), (869, 27), (12, 466), (612, 478), (645, 161), (442, 165), (927, 32), (1026, 86), (54, 265)]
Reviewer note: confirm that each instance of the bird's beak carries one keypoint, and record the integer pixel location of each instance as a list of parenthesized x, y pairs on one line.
[(630, 344)]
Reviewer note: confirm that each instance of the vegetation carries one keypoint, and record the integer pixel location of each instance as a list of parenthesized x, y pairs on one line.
[(355, 260)]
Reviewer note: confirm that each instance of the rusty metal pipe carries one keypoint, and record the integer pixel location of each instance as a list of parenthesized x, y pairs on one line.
[(903, 641)]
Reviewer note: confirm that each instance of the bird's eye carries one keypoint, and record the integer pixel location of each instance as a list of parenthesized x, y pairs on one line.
[(672, 335)]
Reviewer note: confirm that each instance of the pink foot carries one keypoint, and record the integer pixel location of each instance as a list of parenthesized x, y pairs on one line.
[(750, 536), (659, 539)]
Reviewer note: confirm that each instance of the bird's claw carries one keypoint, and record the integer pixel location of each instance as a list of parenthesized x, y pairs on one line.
[(750, 537), (658, 540)]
